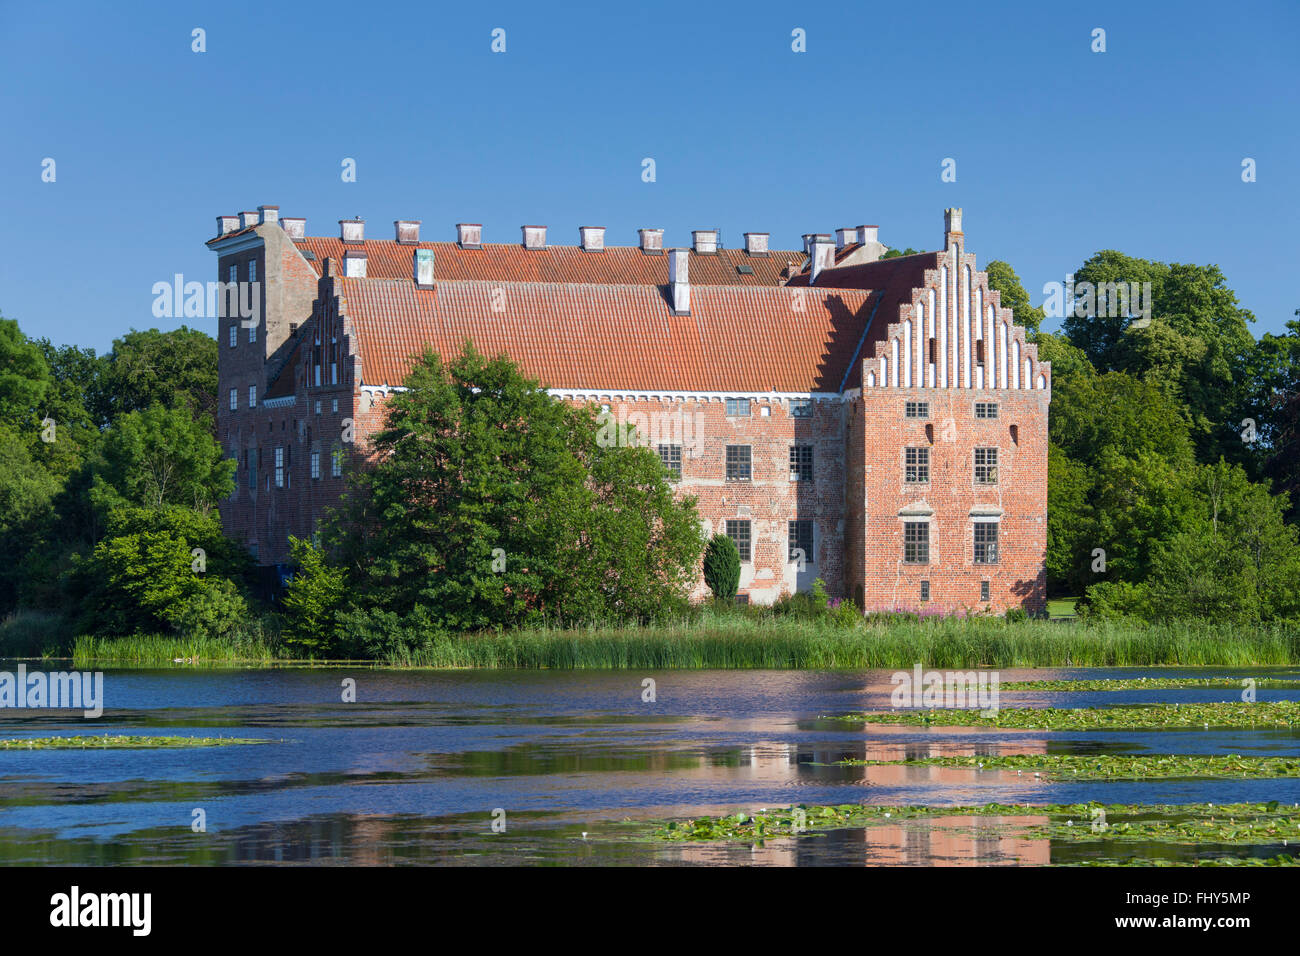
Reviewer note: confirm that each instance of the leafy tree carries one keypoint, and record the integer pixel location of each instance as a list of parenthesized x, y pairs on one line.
[(312, 598), (1013, 296), (895, 253), (491, 503), (24, 376), (1099, 334), (161, 456), (176, 369), (722, 567)]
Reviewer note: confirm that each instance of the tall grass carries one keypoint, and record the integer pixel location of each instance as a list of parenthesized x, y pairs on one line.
[(151, 649), (741, 642)]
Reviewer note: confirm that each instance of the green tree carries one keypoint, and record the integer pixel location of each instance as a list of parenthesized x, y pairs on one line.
[(491, 503), (313, 597), (1013, 296), (24, 376), (722, 567), (176, 369)]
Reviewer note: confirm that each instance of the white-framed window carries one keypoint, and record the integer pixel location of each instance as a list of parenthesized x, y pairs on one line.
[(317, 407), (334, 405), (252, 396), (252, 333), (315, 464), (336, 463), (234, 334), (234, 399), (252, 270), (234, 274), (279, 468)]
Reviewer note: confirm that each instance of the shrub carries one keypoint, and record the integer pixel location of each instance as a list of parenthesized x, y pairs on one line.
[(722, 567)]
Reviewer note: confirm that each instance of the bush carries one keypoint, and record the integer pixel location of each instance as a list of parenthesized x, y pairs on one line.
[(722, 567), (1017, 615), (216, 610)]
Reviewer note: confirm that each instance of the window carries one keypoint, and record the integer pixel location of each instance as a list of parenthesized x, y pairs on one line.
[(801, 408), (336, 463), (801, 463), (738, 531), (925, 585), (979, 351), (252, 270), (279, 468), (738, 463), (315, 464), (234, 399), (234, 274), (317, 376), (234, 334), (917, 410), (986, 542), (917, 470), (916, 542), (671, 456), (318, 408), (934, 351), (334, 405), (801, 539), (252, 469), (252, 332), (986, 409), (986, 466), (737, 407), (252, 396), (334, 373), (986, 591)]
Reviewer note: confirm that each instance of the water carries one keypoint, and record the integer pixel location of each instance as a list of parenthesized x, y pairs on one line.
[(418, 769)]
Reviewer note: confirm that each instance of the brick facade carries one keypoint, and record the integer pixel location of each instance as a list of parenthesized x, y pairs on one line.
[(841, 344)]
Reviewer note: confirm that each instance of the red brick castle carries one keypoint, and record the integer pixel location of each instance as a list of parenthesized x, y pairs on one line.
[(880, 423)]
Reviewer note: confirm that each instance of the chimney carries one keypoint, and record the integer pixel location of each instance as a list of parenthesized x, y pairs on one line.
[(808, 238), (423, 261), (823, 257), (469, 235), (227, 224), (952, 227), (845, 237), (247, 219), (705, 241), (295, 228), (756, 243), (593, 238), (868, 234), (352, 230), (407, 230), (679, 277), (652, 241), (534, 237), (354, 264), (268, 213)]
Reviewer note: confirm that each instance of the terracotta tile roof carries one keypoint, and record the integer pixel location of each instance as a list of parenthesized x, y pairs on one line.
[(510, 262), (583, 335)]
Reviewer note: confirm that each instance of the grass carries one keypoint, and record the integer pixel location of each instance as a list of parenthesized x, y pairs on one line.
[(1150, 683), (1117, 767), (753, 639), (120, 742), (1193, 825), (1061, 608), (1220, 714)]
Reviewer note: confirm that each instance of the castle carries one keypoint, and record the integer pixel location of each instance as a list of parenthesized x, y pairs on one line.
[(876, 422)]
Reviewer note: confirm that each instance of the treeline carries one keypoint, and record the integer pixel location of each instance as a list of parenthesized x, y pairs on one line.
[(1173, 465)]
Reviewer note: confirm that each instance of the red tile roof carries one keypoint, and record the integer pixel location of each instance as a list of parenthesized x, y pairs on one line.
[(615, 337), (511, 262)]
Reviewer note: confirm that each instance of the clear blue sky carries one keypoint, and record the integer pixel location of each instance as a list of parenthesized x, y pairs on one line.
[(1060, 151)]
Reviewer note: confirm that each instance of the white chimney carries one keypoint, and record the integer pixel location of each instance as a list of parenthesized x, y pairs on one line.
[(423, 261), (756, 243), (868, 234), (705, 241), (679, 276), (652, 241), (268, 213), (407, 230), (534, 237), (823, 257), (247, 219), (294, 227), (951, 226), (352, 230), (845, 237), (227, 224), (593, 238), (469, 235), (354, 264)]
